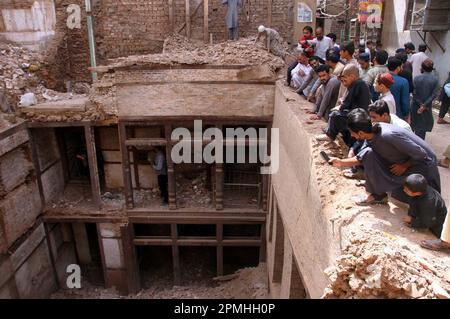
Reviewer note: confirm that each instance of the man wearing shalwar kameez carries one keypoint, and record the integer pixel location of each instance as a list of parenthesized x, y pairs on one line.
[(232, 18), (426, 89), (393, 154)]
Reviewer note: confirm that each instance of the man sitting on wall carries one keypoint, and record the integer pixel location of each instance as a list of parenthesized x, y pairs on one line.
[(301, 71), (312, 82), (357, 97), (394, 153), (328, 93)]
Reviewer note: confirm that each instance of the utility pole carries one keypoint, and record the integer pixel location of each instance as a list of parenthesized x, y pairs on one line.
[(91, 38), (347, 18)]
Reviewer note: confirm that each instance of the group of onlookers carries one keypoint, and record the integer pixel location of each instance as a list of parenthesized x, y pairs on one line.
[(381, 107)]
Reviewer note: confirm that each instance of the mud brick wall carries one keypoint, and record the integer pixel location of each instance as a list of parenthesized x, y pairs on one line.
[(139, 26), (25, 268)]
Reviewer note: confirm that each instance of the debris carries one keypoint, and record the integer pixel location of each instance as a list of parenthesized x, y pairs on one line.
[(28, 99), (439, 292)]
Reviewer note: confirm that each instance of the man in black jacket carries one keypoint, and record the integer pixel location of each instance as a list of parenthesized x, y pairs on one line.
[(358, 96)]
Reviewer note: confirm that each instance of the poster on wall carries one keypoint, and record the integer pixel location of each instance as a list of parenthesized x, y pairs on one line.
[(304, 13), (370, 12)]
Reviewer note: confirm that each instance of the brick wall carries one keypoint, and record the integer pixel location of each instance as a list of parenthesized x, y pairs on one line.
[(130, 27), (140, 26)]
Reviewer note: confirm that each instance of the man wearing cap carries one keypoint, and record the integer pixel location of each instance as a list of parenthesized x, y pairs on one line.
[(364, 64), (425, 91), (273, 39), (232, 18), (382, 85)]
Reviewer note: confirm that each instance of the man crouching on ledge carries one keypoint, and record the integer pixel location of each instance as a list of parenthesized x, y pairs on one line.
[(393, 154)]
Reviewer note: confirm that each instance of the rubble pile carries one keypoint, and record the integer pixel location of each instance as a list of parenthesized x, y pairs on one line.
[(193, 192), (247, 283), (375, 265), (179, 50), (18, 74), (22, 84)]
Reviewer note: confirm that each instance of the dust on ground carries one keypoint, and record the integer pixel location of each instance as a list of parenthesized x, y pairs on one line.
[(246, 283)]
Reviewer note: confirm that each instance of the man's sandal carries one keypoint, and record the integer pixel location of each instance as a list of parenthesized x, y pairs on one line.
[(435, 244), (348, 173), (377, 200)]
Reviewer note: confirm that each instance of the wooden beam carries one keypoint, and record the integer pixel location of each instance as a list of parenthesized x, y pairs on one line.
[(93, 165), (52, 256), (136, 168), (175, 255), (219, 251), (37, 166), (269, 13), (171, 17), (219, 179), (192, 16), (188, 19), (206, 21), (145, 142), (127, 184), (102, 256), (170, 169), (162, 219), (129, 251)]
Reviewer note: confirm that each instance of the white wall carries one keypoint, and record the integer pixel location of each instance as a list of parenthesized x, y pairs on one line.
[(29, 26), (394, 37)]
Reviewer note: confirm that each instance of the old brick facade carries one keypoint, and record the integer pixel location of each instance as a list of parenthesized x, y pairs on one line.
[(133, 27)]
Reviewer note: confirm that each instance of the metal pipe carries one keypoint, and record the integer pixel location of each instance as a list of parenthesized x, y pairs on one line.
[(91, 38)]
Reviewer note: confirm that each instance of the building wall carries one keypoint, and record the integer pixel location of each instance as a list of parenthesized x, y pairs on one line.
[(27, 22), (395, 37), (302, 234), (25, 264)]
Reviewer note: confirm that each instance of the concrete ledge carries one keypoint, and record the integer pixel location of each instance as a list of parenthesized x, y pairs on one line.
[(325, 228), (76, 105)]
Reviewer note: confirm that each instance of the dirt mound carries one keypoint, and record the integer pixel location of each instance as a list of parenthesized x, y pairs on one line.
[(375, 265), (180, 50)]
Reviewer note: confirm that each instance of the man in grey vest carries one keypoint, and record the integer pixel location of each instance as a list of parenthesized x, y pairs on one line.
[(232, 18)]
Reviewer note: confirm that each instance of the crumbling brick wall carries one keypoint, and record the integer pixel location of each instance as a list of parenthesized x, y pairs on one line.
[(140, 26)]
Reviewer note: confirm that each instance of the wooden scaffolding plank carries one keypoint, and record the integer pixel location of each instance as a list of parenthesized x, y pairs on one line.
[(93, 166), (188, 19), (206, 21), (128, 187), (129, 251), (219, 235), (175, 255), (170, 169)]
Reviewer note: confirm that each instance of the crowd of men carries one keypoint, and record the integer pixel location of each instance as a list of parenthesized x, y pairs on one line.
[(381, 107)]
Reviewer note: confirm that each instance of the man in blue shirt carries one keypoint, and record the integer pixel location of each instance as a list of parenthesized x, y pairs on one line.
[(400, 89)]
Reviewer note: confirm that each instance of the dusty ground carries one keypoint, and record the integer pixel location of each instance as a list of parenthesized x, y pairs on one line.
[(249, 283)]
